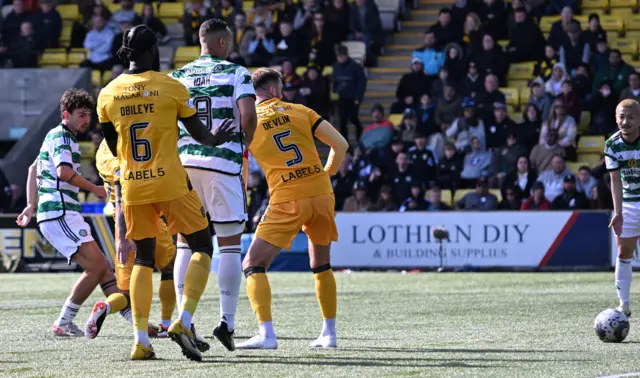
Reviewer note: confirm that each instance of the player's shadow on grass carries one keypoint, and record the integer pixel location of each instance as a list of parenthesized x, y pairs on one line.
[(404, 359), (452, 350)]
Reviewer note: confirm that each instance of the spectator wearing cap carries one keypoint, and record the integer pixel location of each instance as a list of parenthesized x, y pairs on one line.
[(411, 86), (632, 92), (261, 48), (99, 41), (600, 58), (385, 200), (594, 32), (476, 164), (350, 83), (570, 198), (553, 86), (617, 72), (290, 46), (489, 96), (466, 126), (448, 107), (322, 52), (402, 179), (13, 21), (432, 58), (566, 126), (558, 34), (473, 82), (342, 182), (521, 178), (48, 24), (537, 200), (499, 127), (379, 133), (480, 199), (193, 18), (125, 13), (493, 14), (337, 20), (585, 182), (540, 98), (544, 67), (359, 201), (570, 100), (491, 59), (542, 154), (365, 24), (576, 49), (444, 29), (242, 37), (526, 41), (409, 126), (316, 91), (416, 201), (528, 130), (449, 168), (434, 200), (423, 161), (454, 62), (291, 92), (553, 178), (602, 106)]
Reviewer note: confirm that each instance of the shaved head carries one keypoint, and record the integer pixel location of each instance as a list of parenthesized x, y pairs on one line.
[(215, 38), (628, 119)]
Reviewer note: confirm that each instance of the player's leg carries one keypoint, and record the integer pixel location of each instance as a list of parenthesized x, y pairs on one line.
[(279, 226), (321, 230), (165, 257), (627, 243)]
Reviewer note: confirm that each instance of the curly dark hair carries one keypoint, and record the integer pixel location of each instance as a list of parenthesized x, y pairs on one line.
[(264, 76), (75, 98)]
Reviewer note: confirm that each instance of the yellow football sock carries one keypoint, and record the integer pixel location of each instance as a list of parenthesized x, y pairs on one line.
[(117, 302), (167, 294), (141, 296), (195, 281), (326, 293), (259, 292)]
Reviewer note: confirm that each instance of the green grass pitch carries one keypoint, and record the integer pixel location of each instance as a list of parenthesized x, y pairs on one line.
[(389, 324)]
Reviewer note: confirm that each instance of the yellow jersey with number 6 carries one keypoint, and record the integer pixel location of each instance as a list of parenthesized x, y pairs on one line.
[(284, 147), (144, 109)]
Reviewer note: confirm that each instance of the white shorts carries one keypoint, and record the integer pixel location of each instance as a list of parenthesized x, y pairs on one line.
[(66, 234), (631, 219), (223, 198)]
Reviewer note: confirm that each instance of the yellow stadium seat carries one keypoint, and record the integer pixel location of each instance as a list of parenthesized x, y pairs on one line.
[(497, 193), (517, 117), (171, 11), (583, 20), (106, 77), (185, 54), (334, 96), (632, 23), (113, 7), (511, 95), (632, 4), (590, 160), (611, 23), (301, 70), (460, 193), (635, 64), (53, 58), (504, 43), (137, 7), (521, 71), (630, 34), (87, 150), (546, 23), (595, 4), (446, 197), (395, 119), (519, 84), (76, 56), (327, 71), (525, 93), (247, 6), (585, 121), (591, 144), (511, 109), (624, 13), (65, 35), (625, 45), (68, 12), (628, 57), (573, 166), (96, 79)]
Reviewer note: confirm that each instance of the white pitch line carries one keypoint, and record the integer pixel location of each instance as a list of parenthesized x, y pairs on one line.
[(637, 374)]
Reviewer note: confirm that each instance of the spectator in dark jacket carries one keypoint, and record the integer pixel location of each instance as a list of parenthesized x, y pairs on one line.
[(337, 20), (510, 200), (594, 32), (522, 178), (342, 182), (488, 97), (526, 41), (571, 100), (601, 198), (149, 18), (502, 124), (425, 115), (558, 35), (322, 51), (192, 20), (582, 83), (448, 107), (411, 86), (491, 59), (449, 168), (385, 200), (290, 46), (603, 106), (600, 58), (576, 50), (316, 91), (528, 130), (423, 161), (633, 90), (350, 83), (48, 24), (493, 14), (454, 63), (445, 30), (12, 22), (25, 48), (416, 201), (505, 158), (402, 179), (617, 72), (473, 82), (365, 24), (570, 199), (225, 11), (544, 67), (480, 199)]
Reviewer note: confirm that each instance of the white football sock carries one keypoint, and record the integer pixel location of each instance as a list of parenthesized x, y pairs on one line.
[(329, 327), (127, 315), (68, 312), (229, 280), (186, 318), (142, 337), (183, 257), (266, 330), (624, 270)]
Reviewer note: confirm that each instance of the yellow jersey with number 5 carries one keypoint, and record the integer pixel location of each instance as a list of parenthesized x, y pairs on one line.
[(284, 147), (144, 109)]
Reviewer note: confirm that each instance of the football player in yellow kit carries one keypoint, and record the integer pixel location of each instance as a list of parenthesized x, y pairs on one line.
[(301, 197), (137, 112)]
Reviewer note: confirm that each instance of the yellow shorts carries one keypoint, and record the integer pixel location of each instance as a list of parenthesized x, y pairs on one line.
[(184, 215), (314, 215), (165, 252)]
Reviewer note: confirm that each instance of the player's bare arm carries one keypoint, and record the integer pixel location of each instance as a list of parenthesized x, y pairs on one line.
[(202, 135), (248, 118), (111, 136), (67, 174), (616, 193), (339, 145), (32, 197)]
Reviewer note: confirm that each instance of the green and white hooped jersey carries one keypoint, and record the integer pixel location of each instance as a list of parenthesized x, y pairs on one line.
[(215, 86), (57, 198)]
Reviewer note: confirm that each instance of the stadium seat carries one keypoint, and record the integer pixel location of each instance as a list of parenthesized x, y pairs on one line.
[(595, 4), (185, 54), (75, 57), (68, 12), (395, 119), (632, 23), (516, 117), (525, 93), (624, 13), (65, 35), (628, 57), (53, 58), (504, 43), (546, 22), (247, 6), (137, 7), (511, 109), (591, 144), (573, 166), (585, 121), (301, 71), (625, 45), (521, 71), (633, 34), (113, 7), (632, 4), (106, 77), (461, 193), (497, 193), (511, 95), (96, 78), (357, 50), (519, 84), (611, 23), (327, 71), (171, 12), (446, 197), (590, 159)]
